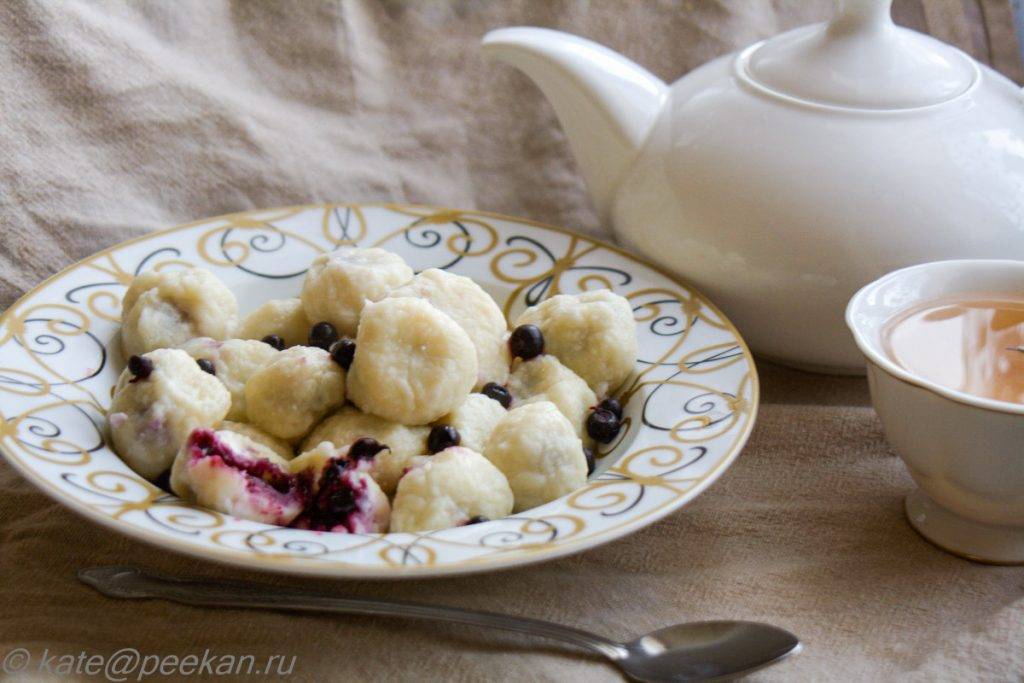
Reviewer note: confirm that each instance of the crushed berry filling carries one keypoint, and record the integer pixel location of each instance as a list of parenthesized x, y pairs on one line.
[(335, 505), (203, 443)]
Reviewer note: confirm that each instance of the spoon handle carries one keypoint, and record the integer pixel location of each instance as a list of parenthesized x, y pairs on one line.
[(134, 583)]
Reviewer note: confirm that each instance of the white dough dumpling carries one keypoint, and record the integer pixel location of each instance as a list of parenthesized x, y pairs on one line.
[(153, 412), (234, 362), (475, 312), (593, 334), (285, 318), (280, 447), (166, 308), (475, 419), (539, 453), (544, 378), (454, 487), (289, 395), (405, 445), (412, 363), (228, 472), (343, 497), (339, 284)]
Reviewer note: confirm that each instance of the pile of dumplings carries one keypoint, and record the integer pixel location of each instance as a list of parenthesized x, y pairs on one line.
[(379, 400)]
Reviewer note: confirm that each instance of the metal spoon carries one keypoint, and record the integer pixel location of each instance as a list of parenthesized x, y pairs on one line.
[(698, 651)]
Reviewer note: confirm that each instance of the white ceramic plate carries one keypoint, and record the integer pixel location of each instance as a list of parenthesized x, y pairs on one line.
[(688, 408)]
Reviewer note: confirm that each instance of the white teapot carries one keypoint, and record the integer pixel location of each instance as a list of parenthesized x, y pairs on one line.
[(782, 178)]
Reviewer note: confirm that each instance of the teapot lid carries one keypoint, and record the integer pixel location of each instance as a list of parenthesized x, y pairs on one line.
[(860, 59)]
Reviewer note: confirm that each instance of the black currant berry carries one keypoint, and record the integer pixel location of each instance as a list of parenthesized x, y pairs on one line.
[(323, 335), (602, 425), (442, 437), (526, 342)]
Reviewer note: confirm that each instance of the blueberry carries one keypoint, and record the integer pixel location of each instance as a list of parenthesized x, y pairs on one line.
[(498, 393), (477, 519), (588, 453), (342, 352), (140, 366), (274, 341), (323, 335), (442, 437), (365, 448), (206, 366), (612, 406), (526, 342), (602, 425)]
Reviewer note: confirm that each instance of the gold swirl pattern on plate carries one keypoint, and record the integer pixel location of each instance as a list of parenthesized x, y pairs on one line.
[(689, 406)]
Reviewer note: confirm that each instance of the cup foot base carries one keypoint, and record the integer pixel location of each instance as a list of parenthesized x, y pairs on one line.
[(976, 541)]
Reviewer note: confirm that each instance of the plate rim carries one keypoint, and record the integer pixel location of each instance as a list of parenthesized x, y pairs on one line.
[(298, 566)]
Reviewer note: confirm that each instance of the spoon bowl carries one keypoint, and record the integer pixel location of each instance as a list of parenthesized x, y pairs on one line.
[(707, 651)]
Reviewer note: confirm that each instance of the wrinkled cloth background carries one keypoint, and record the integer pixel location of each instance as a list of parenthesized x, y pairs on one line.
[(118, 118)]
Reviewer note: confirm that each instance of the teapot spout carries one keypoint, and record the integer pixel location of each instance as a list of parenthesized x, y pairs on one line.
[(606, 103)]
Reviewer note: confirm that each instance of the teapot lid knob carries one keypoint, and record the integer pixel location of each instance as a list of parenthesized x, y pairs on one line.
[(859, 60), (861, 15)]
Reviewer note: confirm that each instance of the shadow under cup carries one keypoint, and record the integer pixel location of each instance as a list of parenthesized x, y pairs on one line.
[(966, 453)]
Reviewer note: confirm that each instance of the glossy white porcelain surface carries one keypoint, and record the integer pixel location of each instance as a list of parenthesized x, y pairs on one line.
[(861, 59), (782, 178), (965, 453)]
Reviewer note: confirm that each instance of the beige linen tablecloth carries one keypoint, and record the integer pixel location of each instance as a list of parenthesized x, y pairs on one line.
[(119, 118)]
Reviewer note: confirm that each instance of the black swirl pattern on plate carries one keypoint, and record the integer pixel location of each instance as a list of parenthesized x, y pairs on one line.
[(55, 338), (43, 433), (714, 406), (639, 489), (426, 234), (538, 291), (72, 295), (344, 225), (267, 240)]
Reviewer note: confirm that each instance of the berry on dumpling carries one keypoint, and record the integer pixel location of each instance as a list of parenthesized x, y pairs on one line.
[(593, 334), (339, 284), (158, 400)]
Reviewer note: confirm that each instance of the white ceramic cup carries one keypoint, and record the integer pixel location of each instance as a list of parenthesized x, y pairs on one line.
[(965, 453)]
